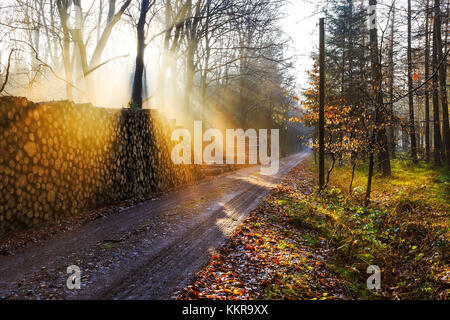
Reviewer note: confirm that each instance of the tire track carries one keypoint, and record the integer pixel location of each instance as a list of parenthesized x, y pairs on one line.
[(153, 263)]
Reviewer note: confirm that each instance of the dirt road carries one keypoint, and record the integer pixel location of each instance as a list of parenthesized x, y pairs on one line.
[(147, 251)]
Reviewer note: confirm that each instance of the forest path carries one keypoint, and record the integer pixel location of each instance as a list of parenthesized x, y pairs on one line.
[(147, 251)]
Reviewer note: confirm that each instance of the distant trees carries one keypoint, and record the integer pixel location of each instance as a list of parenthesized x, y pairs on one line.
[(436, 134), (214, 60), (63, 8), (442, 75), (232, 59), (373, 97), (355, 113), (57, 35), (77, 35)]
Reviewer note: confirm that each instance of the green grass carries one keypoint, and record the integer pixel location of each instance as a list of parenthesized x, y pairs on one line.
[(422, 181), (299, 244), (405, 230)]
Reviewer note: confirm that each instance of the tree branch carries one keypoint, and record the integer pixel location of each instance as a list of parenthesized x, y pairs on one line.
[(7, 72)]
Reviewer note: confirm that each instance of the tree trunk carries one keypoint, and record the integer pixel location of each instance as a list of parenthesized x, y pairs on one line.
[(436, 115), (412, 127), (350, 188), (136, 97), (321, 106), (189, 78), (111, 11), (391, 132), (113, 19), (370, 174), (62, 10), (378, 99), (164, 66), (206, 66), (191, 32), (380, 117), (427, 88), (442, 81)]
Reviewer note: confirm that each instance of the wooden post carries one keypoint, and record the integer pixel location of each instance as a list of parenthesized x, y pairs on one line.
[(321, 106)]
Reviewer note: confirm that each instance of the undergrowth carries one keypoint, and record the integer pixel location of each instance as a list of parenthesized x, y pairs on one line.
[(405, 230)]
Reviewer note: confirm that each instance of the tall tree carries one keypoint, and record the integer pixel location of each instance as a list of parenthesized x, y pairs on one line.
[(380, 113), (427, 75), (391, 130), (136, 96), (412, 126), (376, 87), (442, 79), (77, 33), (192, 39), (321, 105), (436, 112), (63, 7)]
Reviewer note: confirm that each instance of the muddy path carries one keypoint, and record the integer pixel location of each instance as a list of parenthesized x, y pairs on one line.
[(147, 251)]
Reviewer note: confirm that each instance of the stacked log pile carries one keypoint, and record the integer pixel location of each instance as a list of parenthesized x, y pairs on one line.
[(60, 159)]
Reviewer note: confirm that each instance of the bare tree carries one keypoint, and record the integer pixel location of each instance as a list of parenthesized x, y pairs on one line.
[(136, 97), (5, 81)]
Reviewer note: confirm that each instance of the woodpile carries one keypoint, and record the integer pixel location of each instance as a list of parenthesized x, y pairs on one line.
[(60, 159)]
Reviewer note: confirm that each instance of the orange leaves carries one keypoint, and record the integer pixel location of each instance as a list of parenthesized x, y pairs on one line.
[(415, 76), (268, 252), (250, 247), (296, 119)]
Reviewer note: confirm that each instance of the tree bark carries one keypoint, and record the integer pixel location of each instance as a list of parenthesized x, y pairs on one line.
[(391, 132), (412, 127), (427, 87), (192, 43), (64, 16), (136, 97), (442, 81), (436, 113), (321, 106), (380, 117), (377, 131)]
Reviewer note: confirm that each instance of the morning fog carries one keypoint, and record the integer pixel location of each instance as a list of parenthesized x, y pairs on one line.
[(234, 146)]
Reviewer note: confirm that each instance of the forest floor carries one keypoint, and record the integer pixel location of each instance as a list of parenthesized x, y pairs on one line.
[(137, 250), (301, 245)]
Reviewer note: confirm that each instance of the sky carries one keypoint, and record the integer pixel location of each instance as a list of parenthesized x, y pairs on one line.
[(301, 24)]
